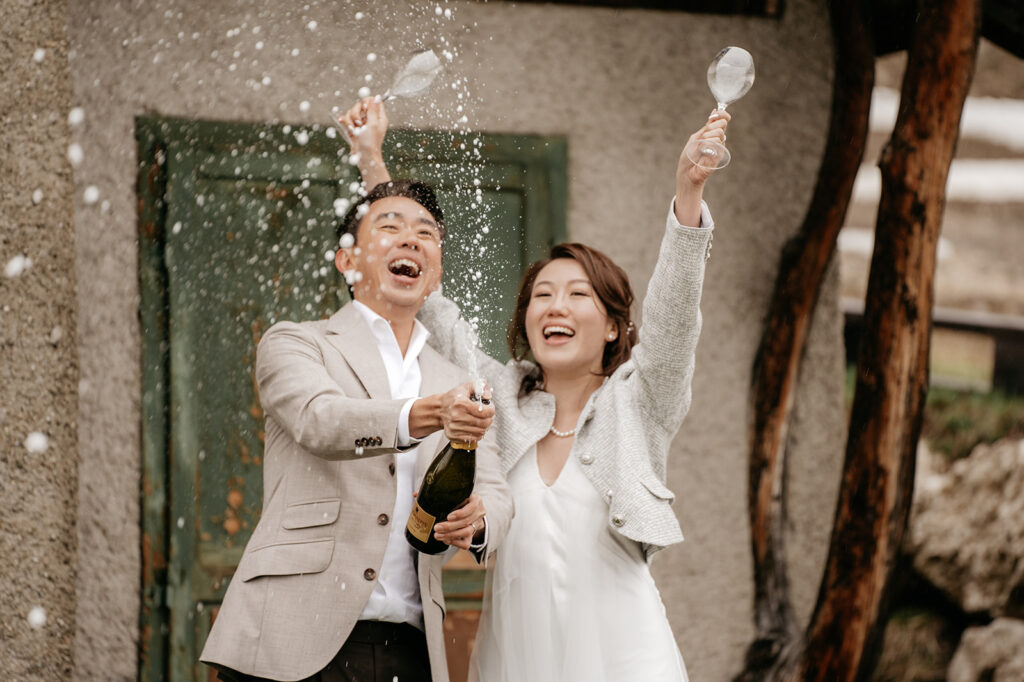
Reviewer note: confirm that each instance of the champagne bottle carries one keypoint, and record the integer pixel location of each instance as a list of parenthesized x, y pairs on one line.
[(446, 486)]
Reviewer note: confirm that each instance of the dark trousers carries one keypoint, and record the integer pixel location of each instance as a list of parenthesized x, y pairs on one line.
[(375, 652)]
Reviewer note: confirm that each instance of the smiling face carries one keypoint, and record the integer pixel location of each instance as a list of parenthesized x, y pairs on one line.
[(567, 325), (396, 258)]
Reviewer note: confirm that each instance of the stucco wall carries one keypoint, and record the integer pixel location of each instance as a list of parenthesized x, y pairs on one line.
[(626, 88), (38, 356)]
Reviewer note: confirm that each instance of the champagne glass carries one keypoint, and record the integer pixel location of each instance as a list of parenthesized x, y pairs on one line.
[(730, 76), (414, 79)]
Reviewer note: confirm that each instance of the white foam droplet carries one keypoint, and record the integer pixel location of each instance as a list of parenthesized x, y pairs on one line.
[(75, 154), (37, 442), (346, 241), (37, 617), (364, 92), (311, 25), (91, 194), (17, 266), (371, 57), (76, 116), (37, 197), (38, 56), (359, 15), (341, 207), (304, 106)]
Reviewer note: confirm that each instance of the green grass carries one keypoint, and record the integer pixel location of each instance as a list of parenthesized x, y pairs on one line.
[(957, 421)]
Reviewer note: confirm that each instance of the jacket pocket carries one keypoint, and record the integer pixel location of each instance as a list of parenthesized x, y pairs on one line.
[(287, 558), (311, 513), (657, 488)]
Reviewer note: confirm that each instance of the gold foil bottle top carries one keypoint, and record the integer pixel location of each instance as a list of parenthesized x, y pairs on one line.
[(458, 445)]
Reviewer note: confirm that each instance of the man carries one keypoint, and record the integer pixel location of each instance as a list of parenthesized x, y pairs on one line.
[(328, 588)]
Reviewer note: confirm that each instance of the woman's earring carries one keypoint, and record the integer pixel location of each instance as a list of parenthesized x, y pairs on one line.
[(611, 337)]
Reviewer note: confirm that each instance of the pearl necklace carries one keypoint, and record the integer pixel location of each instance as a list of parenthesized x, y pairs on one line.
[(562, 434)]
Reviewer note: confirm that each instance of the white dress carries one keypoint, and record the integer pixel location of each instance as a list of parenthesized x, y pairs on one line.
[(568, 599)]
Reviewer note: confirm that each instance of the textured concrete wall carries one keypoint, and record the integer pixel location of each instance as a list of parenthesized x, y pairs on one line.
[(626, 88), (38, 355)]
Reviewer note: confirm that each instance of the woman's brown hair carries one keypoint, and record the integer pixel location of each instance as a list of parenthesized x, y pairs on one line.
[(610, 283)]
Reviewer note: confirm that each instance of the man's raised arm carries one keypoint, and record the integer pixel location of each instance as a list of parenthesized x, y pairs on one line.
[(365, 125)]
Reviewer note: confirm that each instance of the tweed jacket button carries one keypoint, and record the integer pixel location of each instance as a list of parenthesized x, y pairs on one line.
[(382, 520), (617, 520), (391, 468), (608, 495), (369, 574), (586, 459), (377, 440)]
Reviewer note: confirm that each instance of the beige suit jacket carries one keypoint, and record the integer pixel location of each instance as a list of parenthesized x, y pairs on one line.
[(313, 558)]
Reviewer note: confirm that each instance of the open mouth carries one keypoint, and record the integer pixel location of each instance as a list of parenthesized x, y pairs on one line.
[(558, 331), (403, 267)]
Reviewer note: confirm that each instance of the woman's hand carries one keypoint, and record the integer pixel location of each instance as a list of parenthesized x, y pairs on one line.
[(690, 177)]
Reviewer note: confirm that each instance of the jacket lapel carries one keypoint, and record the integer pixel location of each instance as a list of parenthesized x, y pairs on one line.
[(348, 332)]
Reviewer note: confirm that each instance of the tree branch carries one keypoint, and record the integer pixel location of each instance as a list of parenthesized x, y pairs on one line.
[(802, 269), (892, 373)]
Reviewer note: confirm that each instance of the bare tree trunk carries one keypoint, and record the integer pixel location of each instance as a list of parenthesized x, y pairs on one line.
[(892, 370), (802, 269)]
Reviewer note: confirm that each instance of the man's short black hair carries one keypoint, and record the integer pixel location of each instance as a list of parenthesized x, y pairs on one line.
[(420, 192)]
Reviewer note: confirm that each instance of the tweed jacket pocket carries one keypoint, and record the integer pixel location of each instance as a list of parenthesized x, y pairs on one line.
[(657, 488), (311, 513), (287, 558)]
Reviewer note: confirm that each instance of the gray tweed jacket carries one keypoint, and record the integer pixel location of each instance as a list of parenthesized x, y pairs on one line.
[(625, 430)]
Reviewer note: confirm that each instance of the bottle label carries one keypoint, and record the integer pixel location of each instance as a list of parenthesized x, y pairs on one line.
[(420, 523)]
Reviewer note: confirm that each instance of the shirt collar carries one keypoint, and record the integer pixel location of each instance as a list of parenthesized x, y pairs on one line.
[(385, 337)]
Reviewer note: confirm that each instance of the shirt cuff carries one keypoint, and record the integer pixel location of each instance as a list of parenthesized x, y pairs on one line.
[(404, 439), (706, 221), (483, 543)]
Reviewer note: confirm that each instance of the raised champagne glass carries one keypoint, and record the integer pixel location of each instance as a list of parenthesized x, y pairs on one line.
[(414, 79), (730, 76)]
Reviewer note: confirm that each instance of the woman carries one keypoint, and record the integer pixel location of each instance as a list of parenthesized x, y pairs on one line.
[(585, 416)]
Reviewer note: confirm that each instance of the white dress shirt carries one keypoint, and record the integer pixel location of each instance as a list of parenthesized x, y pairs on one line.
[(396, 596)]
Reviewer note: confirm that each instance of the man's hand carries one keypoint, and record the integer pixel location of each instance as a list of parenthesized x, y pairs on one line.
[(464, 526), (690, 177), (365, 126), (461, 418)]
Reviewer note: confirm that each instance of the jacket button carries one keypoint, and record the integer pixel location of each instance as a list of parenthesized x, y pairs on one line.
[(617, 520), (360, 442), (608, 495), (377, 440), (391, 468), (382, 520), (586, 459), (369, 574)]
